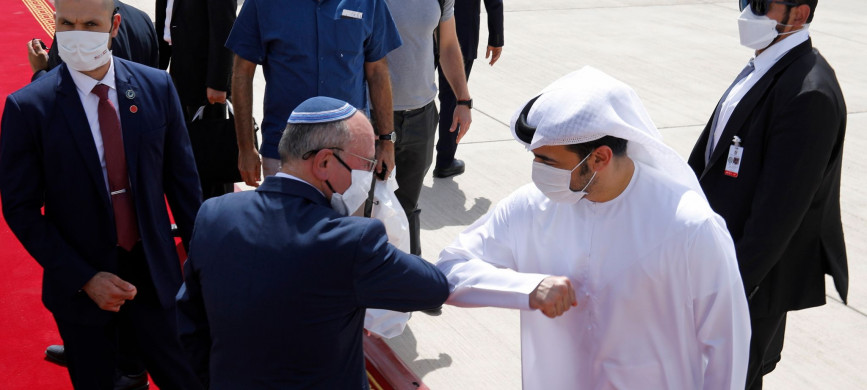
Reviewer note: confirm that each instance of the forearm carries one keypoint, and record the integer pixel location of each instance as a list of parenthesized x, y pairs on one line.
[(242, 100), (452, 64), (380, 95), (475, 283), (221, 16)]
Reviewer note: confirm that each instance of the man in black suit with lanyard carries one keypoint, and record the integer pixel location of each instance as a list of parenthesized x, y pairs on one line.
[(467, 22), (769, 161), (192, 37)]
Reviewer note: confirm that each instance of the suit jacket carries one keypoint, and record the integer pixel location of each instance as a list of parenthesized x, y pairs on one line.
[(783, 208), (198, 55), (467, 21), (48, 159), (136, 40), (285, 281)]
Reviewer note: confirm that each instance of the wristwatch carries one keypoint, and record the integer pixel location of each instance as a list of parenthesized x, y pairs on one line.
[(388, 137), (468, 103)]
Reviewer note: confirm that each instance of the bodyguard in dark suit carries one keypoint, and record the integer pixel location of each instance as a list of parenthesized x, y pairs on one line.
[(201, 66), (774, 173), (467, 21), (278, 279), (89, 153), (136, 40)]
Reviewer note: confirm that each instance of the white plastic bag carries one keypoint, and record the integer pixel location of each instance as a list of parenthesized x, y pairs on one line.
[(386, 208)]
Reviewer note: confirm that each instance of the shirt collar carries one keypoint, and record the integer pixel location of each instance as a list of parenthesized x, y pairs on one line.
[(291, 177), (85, 83), (771, 55)]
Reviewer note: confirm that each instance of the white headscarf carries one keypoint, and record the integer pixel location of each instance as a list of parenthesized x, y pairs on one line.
[(587, 105)]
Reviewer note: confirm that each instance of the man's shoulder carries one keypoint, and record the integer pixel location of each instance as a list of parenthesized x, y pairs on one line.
[(130, 13), (39, 90), (664, 197)]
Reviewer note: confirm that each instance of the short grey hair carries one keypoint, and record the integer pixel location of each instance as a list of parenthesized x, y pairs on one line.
[(298, 139)]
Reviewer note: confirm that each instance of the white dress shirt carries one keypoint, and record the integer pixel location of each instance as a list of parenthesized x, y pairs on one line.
[(84, 85), (660, 299), (167, 30), (763, 62)]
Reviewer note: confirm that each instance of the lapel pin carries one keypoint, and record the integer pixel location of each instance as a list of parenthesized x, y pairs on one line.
[(130, 94), (133, 109)]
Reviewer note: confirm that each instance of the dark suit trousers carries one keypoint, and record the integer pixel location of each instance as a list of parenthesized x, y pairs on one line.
[(766, 347), (447, 143), (141, 325)]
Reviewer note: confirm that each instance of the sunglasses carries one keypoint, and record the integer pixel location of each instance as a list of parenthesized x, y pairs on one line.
[(760, 7)]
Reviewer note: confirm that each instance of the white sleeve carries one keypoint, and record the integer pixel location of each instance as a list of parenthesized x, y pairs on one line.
[(720, 311), (480, 264)]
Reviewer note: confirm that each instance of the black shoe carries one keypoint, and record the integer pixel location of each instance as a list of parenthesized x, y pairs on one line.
[(132, 382), (56, 354), (455, 168), (433, 312)]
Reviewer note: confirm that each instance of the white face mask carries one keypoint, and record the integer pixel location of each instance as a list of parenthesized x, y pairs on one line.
[(554, 182), (350, 200), (757, 32), (83, 50)]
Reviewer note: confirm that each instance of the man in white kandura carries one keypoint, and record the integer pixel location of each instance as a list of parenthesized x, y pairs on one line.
[(616, 226)]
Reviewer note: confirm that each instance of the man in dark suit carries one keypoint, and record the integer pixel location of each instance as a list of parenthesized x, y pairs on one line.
[(88, 155), (201, 65), (467, 20), (136, 40), (285, 277), (769, 161)]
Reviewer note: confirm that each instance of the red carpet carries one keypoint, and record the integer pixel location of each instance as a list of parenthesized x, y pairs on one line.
[(26, 327)]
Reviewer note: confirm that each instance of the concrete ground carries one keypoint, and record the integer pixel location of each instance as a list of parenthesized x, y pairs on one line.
[(680, 56)]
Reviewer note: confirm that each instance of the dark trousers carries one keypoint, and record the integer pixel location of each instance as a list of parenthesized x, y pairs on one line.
[(413, 152), (766, 347), (447, 144), (142, 325)]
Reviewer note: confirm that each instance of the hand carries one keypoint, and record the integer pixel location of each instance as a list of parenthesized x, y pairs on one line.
[(462, 117), (215, 96), (553, 296), (109, 291), (385, 157), (250, 166), (494, 53), (37, 56)]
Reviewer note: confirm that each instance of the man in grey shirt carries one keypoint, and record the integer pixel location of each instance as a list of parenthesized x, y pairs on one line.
[(413, 91)]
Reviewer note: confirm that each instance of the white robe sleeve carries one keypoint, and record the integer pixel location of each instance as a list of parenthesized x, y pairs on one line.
[(480, 264), (720, 311)]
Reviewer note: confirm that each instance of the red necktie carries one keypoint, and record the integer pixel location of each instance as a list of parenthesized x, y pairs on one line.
[(115, 165)]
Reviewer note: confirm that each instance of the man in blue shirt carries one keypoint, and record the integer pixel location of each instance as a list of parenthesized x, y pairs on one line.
[(309, 48)]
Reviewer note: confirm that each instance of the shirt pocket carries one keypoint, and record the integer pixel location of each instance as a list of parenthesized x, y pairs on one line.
[(350, 35)]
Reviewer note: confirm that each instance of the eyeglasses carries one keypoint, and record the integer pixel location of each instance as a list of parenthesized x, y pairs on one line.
[(370, 166), (760, 7)]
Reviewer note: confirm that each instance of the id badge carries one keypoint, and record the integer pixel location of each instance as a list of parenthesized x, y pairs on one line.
[(733, 163)]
